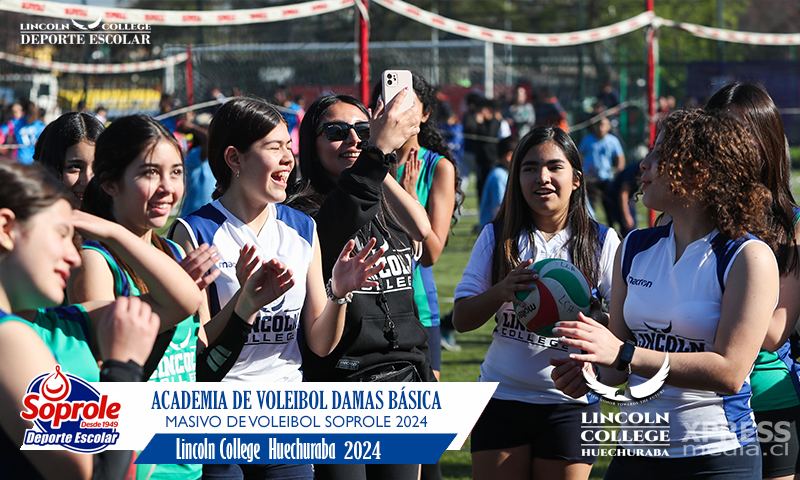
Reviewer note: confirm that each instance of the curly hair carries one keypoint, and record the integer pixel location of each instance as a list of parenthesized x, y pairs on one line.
[(713, 157)]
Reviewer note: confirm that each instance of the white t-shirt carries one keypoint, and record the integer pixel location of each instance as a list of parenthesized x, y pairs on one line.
[(271, 353), (517, 358), (675, 307)]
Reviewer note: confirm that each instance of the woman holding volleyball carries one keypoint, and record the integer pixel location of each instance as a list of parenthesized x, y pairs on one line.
[(530, 429), (703, 277)]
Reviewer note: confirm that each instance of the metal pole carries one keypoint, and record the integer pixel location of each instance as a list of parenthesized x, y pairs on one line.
[(488, 69), (363, 47), (720, 43), (581, 51), (189, 76), (435, 40), (651, 80), (651, 87), (507, 49), (85, 75)]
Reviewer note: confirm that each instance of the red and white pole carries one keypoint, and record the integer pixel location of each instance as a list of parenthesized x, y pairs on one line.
[(363, 48), (189, 76), (651, 77), (651, 86)]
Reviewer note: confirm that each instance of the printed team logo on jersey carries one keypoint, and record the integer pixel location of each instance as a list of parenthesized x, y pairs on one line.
[(68, 411), (397, 268), (663, 340), (274, 325), (639, 282), (509, 326), (178, 362)]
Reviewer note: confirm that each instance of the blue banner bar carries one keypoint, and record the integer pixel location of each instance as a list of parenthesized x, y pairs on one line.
[(260, 448)]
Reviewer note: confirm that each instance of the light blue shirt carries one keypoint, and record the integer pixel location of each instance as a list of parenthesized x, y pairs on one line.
[(493, 192), (598, 155)]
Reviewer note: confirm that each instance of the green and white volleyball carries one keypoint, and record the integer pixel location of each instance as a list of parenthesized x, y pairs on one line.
[(561, 292)]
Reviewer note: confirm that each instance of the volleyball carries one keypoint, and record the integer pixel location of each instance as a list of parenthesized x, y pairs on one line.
[(561, 292)]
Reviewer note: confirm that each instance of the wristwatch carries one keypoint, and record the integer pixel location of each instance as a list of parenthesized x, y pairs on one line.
[(339, 301), (367, 147), (626, 354)]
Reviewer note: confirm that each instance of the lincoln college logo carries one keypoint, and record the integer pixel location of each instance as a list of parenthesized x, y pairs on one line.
[(68, 412)]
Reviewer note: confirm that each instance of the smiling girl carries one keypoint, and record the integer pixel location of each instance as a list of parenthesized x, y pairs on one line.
[(36, 255), (349, 191), (250, 153), (709, 279), (529, 428), (138, 181), (66, 147)]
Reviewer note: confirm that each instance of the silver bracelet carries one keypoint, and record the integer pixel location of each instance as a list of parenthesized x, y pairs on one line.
[(339, 301)]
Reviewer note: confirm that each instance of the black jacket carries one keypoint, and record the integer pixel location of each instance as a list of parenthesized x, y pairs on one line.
[(354, 210)]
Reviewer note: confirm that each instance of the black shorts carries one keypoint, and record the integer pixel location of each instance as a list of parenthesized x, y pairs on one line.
[(552, 430), (743, 463), (780, 443)]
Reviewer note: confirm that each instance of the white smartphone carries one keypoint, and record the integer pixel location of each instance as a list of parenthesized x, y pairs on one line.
[(393, 82)]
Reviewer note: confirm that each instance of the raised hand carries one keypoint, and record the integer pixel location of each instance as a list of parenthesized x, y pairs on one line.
[(411, 174), (128, 330), (601, 346), (352, 273), (247, 263), (390, 128), (198, 263), (521, 278), (267, 283)]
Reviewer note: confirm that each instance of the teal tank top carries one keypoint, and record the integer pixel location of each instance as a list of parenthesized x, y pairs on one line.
[(66, 332), (177, 364), (771, 379), (425, 295)]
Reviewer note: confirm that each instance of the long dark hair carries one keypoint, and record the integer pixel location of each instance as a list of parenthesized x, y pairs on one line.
[(308, 194), (28, 189), (316, 184), (238, 123), (64, 132), (116, 148), (515, 213), (752, 103)]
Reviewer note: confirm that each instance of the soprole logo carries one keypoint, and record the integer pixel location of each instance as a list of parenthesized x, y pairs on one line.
[(638, 393), (68, 412)]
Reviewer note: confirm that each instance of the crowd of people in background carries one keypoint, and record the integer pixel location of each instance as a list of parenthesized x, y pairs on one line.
[(301, 248)]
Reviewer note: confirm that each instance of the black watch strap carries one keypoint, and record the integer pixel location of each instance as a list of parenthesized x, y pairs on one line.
[(626, 354), (371, 149)]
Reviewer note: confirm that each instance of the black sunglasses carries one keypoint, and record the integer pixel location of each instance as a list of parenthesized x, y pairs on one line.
[(338, 131)]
